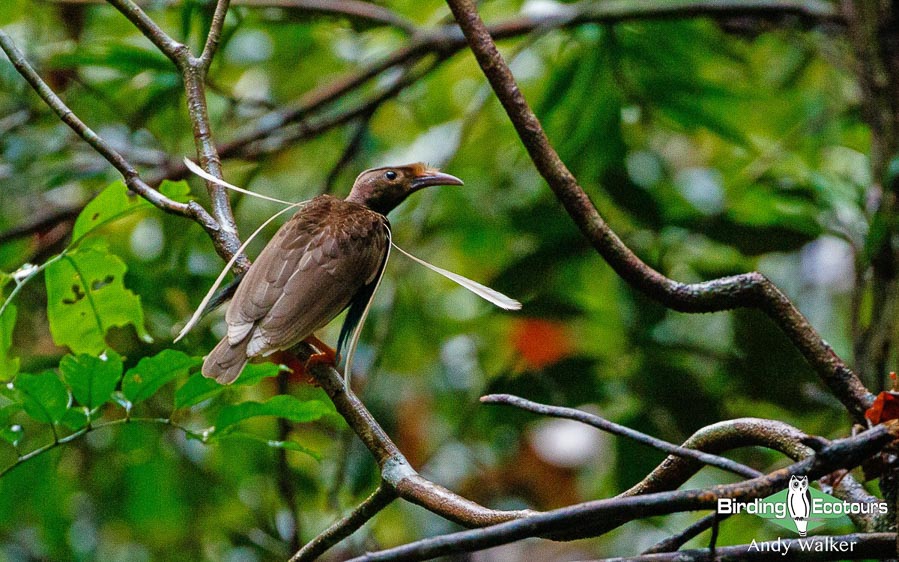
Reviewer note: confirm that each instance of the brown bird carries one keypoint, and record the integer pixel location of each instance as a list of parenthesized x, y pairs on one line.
[(329, 256)]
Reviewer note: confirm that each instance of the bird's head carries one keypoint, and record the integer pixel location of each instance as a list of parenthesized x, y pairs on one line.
[(382, 189)]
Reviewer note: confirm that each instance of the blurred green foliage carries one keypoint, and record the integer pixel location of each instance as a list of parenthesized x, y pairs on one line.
[(709, 153)]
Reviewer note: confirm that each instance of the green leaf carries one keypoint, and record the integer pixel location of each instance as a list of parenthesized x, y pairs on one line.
[(9, 366), (43, 396), (86, 296), (150, 373), (74, 418), (176, 190), (110, 204), (195, 390), (199, 388), (286, 445), (255, 372), (92, 379), (283, 406)]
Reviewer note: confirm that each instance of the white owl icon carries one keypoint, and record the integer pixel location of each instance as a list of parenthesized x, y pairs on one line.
[(799, 503)]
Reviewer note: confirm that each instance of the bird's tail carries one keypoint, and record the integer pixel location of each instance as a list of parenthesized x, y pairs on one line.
[(225, 362)]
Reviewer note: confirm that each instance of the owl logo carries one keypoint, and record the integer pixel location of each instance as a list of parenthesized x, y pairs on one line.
[(799, 502)]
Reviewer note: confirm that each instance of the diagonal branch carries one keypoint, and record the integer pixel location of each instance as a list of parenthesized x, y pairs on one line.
[(129, 173), (172, 49), (750, 290)]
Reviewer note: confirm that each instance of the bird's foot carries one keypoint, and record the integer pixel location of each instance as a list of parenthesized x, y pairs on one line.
[(326, 355)]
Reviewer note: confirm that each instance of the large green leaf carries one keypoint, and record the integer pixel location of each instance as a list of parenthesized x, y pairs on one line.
[(92, 379), (86, 296), (9, 365), (150, 373), (283, 406), (110, 204), (43, 396)]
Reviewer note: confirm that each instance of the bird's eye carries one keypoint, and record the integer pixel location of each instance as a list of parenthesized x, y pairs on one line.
[(390, 175)]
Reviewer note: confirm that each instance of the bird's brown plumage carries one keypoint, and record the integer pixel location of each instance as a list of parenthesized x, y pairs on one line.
[(331, 251), (304, 277)]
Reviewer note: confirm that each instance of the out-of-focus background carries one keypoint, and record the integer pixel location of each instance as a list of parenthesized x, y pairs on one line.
[(711, 147)]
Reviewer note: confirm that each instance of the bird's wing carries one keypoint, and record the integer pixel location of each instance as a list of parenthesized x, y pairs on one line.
[(307, 274)]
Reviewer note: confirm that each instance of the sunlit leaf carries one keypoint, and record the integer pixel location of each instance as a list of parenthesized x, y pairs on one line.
[(283, 406), (44, 397), (150, 373), (86, 296), (92, 379), (110, 204)]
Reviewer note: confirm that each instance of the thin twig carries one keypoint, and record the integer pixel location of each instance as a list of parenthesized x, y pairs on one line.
[(215, 34), (591, 518), (347, 525), (93, 427), (723, 436), (617, 429), (674, 542), (193, 74), (750, 290)]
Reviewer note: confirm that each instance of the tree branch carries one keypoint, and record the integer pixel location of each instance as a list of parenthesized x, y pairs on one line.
[(616, 429), (174, 50), (214, 35), (129, 173), (583, 520), (723, 436), (193, 73), (750, 290), (396, 472), (347, 525)]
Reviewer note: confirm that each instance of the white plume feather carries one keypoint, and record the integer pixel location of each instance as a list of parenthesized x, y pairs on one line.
[(209, 177), (490, 295)]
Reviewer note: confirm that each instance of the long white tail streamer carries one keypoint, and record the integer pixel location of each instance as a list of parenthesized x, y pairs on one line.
[(490, 295)]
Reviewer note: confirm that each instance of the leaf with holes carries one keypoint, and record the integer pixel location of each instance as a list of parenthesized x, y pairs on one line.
[(150, 373), (286, 407), (43, 396), (110, 204), (9, 365), (92, 379), (86, 296)]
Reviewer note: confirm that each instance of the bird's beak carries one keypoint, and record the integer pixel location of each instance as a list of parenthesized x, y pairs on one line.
[(434, 178)]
